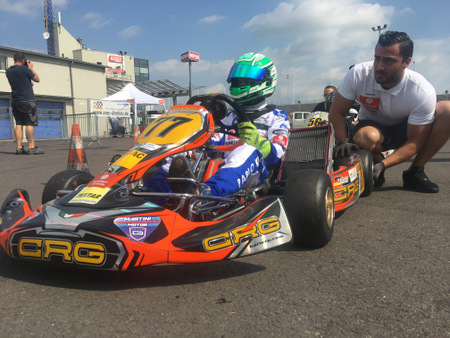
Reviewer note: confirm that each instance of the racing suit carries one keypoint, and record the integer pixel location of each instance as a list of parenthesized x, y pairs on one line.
[(245, 166)]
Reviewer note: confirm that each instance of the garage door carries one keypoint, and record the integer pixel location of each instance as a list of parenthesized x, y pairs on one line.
[(5, 122), (49, 115)]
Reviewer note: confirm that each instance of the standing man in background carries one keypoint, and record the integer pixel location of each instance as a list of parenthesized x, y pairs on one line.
[(23, 104), (325, 105)]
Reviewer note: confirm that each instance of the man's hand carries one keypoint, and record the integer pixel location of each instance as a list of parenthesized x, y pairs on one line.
[(378, 169), (344, 148), (249, 134)]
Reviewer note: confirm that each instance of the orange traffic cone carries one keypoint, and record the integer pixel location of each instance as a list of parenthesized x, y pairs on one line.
[(135, 137), (77, 155)]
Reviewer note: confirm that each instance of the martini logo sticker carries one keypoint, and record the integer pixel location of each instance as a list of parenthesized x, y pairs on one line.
[(138, 228)]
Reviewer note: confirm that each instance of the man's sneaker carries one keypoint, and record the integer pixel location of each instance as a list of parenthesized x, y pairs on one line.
[(180, 167), (416, 179), (35, 151), (21, 151)]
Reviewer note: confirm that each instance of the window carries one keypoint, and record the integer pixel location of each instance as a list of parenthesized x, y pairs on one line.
[(141, 72), (2, 63)]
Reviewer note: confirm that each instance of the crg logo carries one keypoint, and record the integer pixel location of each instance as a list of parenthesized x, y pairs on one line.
[(235, 236), (84, 253)]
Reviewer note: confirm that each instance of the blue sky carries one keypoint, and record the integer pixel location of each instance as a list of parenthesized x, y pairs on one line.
[(312, 42)]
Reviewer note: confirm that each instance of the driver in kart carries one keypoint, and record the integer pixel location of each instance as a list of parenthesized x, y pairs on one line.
[(252, 78)]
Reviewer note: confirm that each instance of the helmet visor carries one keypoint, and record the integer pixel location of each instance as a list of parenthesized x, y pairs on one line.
[(246, 71)]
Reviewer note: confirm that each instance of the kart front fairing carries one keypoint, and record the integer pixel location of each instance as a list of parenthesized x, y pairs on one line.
[(103, 225)]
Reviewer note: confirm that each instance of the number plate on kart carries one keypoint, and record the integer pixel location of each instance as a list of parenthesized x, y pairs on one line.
[(131, 159)]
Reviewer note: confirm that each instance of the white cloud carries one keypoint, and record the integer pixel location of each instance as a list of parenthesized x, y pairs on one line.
[(430, 58), (319, 40), (95, 20), (130, 31), (315, 42), (212, 19), (167, 69), (28, 7), (24, 7), (203, 72)]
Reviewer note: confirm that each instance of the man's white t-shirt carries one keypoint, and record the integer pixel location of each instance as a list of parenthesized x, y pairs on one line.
[(414, 98)]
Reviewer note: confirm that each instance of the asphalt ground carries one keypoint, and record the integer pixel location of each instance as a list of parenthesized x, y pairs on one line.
[(385, 273)]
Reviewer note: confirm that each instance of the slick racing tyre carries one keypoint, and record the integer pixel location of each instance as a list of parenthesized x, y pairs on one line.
[(309, 204), (115, 158), (367, 168), (65, 180)]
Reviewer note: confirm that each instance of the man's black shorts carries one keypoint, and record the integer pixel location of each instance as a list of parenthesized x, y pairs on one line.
[(25, 113), (394, 136)]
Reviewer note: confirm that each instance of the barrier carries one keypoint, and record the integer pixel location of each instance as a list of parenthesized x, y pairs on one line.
[(88, 126), (92, 126)]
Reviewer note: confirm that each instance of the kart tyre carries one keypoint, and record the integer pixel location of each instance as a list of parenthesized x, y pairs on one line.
[(64, 180), (115, 158), (367, 168), (309, 205)]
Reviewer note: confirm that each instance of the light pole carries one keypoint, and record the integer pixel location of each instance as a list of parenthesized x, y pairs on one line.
[(379, 29), (122, 54), (287, 94)]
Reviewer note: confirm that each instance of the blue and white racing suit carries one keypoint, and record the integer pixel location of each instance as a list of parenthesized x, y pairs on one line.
[(245, 165)]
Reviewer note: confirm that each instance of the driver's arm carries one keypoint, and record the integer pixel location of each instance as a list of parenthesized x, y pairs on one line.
[(338, 110)]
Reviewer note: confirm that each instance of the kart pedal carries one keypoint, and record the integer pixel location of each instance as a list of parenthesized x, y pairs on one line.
[(180, 167)]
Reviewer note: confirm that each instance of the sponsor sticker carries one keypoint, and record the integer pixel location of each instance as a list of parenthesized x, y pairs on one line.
[(353, 174), (103, 180), (280, 139), (137, 228), (90, 195), (149, 146)]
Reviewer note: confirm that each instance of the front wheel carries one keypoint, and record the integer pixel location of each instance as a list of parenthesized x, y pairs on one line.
[(367, 168), (309, 205), (64, 180)]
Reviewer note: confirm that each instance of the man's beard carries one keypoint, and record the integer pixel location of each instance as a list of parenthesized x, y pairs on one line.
[(389, 81)]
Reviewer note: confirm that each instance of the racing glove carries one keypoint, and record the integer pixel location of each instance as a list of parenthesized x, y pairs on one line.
[(344, 148), (249, 134)]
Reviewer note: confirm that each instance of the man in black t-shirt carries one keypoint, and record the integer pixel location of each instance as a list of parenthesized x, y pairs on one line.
[(325, 105), (23, 104)]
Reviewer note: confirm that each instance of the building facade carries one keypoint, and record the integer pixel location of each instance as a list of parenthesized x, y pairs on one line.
[(69, 80)]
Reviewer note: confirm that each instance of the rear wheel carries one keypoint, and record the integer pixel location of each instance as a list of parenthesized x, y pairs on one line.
[(309, 205), (64, 180), (367, 168)]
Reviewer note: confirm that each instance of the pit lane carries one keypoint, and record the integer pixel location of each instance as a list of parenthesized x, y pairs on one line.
[(384, 273)]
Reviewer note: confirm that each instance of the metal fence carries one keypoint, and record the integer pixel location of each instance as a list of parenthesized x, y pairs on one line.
[(92, 126)]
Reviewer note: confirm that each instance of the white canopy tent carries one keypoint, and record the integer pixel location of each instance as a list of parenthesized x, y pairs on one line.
[(131, 94)]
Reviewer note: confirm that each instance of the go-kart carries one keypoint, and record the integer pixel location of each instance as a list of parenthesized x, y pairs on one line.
[(110, 222)]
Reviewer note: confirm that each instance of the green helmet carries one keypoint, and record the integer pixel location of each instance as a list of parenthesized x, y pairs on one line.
[(252, 77)]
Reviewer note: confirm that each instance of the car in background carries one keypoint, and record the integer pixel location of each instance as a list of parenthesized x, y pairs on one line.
[(298, 119)]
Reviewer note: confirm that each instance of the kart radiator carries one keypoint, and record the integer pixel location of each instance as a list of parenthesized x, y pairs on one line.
[(308, 148)]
